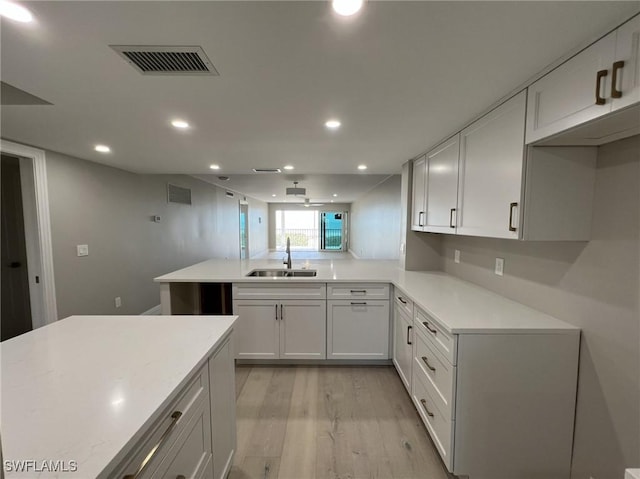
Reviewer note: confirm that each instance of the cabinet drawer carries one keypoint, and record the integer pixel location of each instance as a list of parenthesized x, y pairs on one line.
[(168, 428), (279, 291), (358, 330), (436, 335), (190, 456), (403, 302), (358, 291), (437, 372), (440, 426)]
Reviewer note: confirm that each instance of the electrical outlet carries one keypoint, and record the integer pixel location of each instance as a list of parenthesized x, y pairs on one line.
[(456, 256), (118, 302), (82, 249), (499, 266)]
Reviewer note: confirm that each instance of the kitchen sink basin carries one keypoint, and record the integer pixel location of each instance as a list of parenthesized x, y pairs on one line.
[(283, 273)]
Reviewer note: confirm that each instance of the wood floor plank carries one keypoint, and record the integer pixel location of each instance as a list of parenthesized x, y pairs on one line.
[(267, 436), (253, 467), (300, 442), (248, 406), (242, 373)]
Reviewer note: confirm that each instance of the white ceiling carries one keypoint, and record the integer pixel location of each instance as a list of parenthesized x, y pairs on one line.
[(400, 76)]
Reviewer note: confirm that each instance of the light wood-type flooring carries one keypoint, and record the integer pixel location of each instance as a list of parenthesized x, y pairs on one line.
[(334, 422)]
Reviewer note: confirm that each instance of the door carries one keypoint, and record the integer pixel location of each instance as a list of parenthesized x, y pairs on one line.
[(442, 187), (332, 231), (566, 97), (627, 74), (256, 330), (490, 176), (358, 329), (402, 346), (244, 230), (303, 329), (16, 306), (419, 194)]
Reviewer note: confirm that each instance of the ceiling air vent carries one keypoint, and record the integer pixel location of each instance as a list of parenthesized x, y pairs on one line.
[(267, 170), (178, 194), (167, 60)]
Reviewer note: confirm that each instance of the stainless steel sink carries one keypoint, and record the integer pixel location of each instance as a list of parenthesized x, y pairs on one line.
[(283, 273)]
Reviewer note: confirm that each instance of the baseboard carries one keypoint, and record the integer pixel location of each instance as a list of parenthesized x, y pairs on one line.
[(353, 254), (153, 311)]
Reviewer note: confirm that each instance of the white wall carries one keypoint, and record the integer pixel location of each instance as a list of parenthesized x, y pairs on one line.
[(110, 210), (376, 221), (594, 285)]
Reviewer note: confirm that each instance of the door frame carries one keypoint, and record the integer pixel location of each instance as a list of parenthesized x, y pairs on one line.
[(343, 231), (244, 204), (37, 225)]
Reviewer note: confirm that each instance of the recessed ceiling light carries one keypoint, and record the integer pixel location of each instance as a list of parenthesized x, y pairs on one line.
[(332, 124), (214, 167), (274, 195), (335, 195), (181, 124), (102, 148), (346, 7), (288, 167), (15, 12), (362, 167)]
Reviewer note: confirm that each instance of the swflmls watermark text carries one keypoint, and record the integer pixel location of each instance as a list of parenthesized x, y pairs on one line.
[(45, 465)]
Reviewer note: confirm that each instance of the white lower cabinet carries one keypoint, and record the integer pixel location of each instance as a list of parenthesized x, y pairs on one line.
[(403, 343), (494, 406), (280, 329), (358, 329), (195, 436)]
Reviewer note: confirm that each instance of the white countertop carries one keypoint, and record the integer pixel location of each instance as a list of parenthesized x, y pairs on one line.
[(459, 306), (85, 388)]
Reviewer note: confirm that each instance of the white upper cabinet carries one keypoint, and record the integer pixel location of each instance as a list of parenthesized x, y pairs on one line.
[(602, 79), (419, 194), (490, 175), (442, 187), (626, 69)]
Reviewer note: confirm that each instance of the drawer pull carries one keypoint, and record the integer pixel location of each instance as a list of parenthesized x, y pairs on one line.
[(401, 300), (409, 328), (599, 76), (426, 325), (426, 361), (363, 303), (615, 93), (363, 291), (180, 476), (175, 417), (424, 405), (420, 223)]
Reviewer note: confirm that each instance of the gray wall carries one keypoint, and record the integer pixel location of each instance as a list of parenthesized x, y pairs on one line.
[(594, 285), (376, 221), (110, 210)]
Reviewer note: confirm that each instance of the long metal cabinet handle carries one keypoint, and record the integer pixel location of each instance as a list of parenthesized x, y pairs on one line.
[(401, 300), (615, 93), (363, 291), (175, 417), (511, 207), (409, 328), (276, 312), (281, 312), (424, 405), (599, 76), (451, 225), (363, 303), (426, 325), (426, 361)]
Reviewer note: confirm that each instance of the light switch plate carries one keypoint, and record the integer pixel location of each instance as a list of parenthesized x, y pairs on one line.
[(83, 249), (456, 256), (499, 266), (118, 302)]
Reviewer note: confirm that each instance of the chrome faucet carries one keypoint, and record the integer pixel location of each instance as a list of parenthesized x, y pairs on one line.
[(288, 260)]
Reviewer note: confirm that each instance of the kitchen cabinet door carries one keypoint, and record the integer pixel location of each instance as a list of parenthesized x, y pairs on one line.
[(303, 329), (358, 329), (490, 176), (628, 74), (257, 329), (419, 194), (566, 97), (442, 187), (402, 345)]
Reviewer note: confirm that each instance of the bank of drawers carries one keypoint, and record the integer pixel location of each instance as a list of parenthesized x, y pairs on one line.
[(434, 381)]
